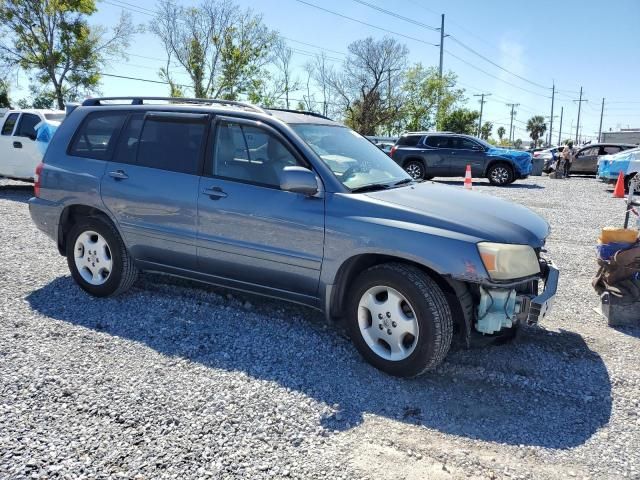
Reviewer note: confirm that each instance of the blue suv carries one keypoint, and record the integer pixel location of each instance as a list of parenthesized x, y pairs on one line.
[(294, 206), (425, 155)]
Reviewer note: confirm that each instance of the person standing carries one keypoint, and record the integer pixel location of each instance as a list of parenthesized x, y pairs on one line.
[(567, 156)]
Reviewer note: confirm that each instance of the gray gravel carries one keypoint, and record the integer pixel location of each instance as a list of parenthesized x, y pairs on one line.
[(180, 380)]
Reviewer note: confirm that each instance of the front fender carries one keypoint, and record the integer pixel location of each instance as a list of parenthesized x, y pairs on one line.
[(450, 254)]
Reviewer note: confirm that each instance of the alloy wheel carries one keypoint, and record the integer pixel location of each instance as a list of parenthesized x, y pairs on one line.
[(388, 323), (92, 256)]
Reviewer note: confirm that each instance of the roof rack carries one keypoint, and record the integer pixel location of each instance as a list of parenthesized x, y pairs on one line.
[(304, 112), (94, 102)]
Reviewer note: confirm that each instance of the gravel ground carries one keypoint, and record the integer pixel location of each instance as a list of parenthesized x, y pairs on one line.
[(180, 380)]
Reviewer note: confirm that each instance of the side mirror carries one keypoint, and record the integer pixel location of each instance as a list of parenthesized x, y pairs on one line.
[(298, 180), (477, 147)]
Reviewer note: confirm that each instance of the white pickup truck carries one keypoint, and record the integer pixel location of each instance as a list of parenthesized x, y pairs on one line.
[(19, 154)]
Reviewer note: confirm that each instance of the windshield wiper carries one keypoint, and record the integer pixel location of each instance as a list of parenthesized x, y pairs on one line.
[(403, 182), (370, 188)]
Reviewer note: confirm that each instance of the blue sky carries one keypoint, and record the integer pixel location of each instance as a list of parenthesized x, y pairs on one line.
[(575, 43)]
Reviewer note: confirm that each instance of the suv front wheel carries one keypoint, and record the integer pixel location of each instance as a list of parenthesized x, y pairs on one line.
[(98, 259), (500, 174), (399, 319)]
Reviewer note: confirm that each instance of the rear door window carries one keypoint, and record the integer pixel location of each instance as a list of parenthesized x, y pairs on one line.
[(97, 135), (409, 140), (438, 141), (172, 142), (26, 126), (9, 123), (462, 143), (588, 152), (128, 145), (609, 150)]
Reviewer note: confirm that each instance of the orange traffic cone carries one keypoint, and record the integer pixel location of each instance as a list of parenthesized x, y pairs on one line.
[(467, 179), (618, 192)]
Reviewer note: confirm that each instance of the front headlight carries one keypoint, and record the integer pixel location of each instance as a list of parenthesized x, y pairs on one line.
[(508, 262)]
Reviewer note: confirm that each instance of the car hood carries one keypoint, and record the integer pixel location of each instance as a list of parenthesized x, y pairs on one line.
[(470, 213), (522, 160)]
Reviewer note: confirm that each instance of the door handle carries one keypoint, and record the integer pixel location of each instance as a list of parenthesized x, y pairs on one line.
[(17, 144), (215, 193), (119, 175)]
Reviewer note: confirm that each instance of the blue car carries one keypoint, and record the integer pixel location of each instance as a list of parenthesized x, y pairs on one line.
[(294, 206), (426, 155)]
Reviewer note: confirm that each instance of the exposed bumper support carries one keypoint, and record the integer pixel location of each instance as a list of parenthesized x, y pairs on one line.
[(541, 305), (506, 305)]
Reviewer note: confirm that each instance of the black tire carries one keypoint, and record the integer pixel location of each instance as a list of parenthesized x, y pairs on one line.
[(627, 184), (123, 273), (415, 168), (500, 174), (432, 312)]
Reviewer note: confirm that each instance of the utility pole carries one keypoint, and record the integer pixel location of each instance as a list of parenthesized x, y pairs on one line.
[(442, 35), (389, 95), (549, 137), (441, 43), (553, 95), (560, 133), (482, 102), (579, 107), (513, 112), (601, 115)]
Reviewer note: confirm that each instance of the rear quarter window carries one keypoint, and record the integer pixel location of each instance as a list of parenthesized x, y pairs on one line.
[(97, 135), (409, 140)]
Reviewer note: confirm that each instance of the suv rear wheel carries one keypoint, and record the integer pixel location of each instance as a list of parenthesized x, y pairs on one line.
[(399, 319), (415, 168), (98, 259), (500, 174)]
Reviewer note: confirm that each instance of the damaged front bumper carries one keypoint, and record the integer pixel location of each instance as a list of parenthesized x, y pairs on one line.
[(506, 305)]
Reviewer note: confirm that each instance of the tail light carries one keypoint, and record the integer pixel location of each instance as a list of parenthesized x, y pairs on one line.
[(36, 179), (393, 150)]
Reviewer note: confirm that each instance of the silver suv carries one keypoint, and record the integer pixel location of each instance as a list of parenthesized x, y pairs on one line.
[(294, 206)]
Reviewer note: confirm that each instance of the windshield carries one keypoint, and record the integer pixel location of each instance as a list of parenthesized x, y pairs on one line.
[(353, 159), (58, 117)]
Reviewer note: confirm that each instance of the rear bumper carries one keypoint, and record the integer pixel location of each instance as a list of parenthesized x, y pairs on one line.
[(45, 215)]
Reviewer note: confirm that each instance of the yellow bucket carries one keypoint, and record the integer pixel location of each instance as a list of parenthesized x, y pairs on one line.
[(618, 235)]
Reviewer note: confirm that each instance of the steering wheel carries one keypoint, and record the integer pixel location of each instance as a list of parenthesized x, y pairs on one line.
[(349, 172)]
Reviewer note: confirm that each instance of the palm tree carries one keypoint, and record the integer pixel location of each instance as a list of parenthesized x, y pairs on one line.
[(501, 132), (536, 128)]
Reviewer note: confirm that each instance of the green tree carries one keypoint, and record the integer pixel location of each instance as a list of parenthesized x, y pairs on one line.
[(41, 99), (367, 89), (223, 49), (460, 120), (4, 94), (53, 40), (536, 128), (518, 143), (501, 132), (485, 130), (420, 96)]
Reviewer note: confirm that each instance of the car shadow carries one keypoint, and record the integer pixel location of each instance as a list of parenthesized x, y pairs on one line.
[(545, 389), (485, 183), (16, 192), (630, 330)]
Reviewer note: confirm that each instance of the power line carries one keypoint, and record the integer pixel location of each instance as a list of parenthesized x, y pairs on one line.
[(495, 64), (393, 14), (493, 76), (365, 23), (315, 46)]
